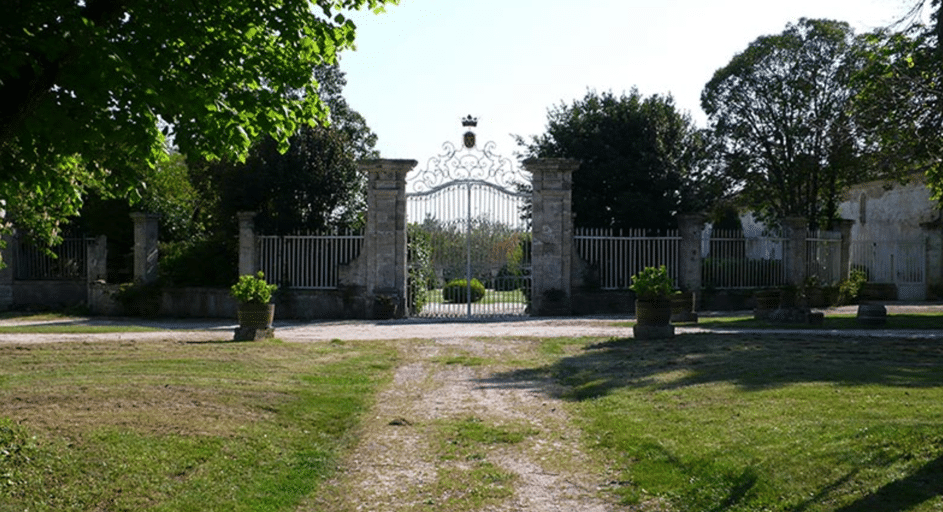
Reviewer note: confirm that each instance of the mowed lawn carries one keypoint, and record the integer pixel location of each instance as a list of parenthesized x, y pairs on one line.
[(705, 422), (130, 426), (760, 422)]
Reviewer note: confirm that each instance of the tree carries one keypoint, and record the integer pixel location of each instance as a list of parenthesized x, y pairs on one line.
[(312, 186), (900, 102), (781, 111), (91, 88), (315, 184), (642, 162)]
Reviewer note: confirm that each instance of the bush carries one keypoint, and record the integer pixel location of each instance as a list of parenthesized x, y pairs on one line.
[(457, 291), (850, 289), (210, 262), (253, 289), (139, 299), (421, 274), (652, 283)]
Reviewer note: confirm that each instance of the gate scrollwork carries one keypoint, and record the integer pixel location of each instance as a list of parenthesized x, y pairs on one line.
[(456, 165)]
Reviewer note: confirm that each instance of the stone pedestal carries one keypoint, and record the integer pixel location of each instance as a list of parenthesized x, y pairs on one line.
[(145, 247), (653, 332), (6, 270), (691, 229), (253, 334), (248, 244), (552, 221), (844, 227), (97, 260), (796, 229), (383, 259)]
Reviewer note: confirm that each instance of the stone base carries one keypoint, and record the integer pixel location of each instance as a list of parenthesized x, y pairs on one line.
[(872, 315), (794, 315), (253, 334), (687, 317), (653, 332)]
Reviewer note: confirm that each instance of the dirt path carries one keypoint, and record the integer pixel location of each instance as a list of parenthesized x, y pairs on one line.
[(409, 457)]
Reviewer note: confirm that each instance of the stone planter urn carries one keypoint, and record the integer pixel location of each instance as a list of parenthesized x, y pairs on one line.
[(255, 322), (767, 301), (653, 319), (682, 307), (652, 287), (871, 315), (255, 313)]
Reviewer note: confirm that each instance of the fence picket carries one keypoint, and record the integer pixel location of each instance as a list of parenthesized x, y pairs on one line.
[(310, 261)]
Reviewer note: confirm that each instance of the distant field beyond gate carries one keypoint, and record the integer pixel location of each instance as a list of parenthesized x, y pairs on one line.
[(469, 208)]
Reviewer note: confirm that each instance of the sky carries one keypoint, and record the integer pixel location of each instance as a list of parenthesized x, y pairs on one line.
[(423, 65)]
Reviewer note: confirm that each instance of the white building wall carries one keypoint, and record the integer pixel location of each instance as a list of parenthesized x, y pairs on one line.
[(886, 212)]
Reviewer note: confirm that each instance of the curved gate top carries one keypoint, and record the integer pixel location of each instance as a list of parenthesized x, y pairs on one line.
[(469, 229)]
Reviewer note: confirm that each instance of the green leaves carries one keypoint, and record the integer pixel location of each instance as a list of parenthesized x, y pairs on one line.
[(781, 110), (253, 289), (90, 80), (642, 160)]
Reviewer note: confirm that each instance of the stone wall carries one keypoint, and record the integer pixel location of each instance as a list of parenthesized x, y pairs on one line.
[(885, 211)]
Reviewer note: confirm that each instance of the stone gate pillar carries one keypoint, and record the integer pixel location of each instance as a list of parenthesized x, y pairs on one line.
[(796, 230), (552, 224), (384, 270), (248, 245), (145, 246), (844, 227), (691, 228), (7, 264), (96, 261)]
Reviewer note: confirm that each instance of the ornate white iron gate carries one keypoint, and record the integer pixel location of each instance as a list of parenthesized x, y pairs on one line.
[(470, 233)]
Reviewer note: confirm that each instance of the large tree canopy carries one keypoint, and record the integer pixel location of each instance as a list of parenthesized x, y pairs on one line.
[(312, 186), (88, 85), (781, 110), (642, 161), (901, 98)]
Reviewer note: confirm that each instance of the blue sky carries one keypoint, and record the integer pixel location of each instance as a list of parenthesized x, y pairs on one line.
[(424, 64)]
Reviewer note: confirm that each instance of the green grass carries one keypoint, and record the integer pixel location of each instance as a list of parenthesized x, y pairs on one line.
[(894, 321), (491, 297), (72, 329), (178, 426), (758, 422), (918, 321)]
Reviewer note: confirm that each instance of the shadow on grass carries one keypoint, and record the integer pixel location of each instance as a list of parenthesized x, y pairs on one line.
[(899, 495), (841, 322), (750, 361), (755, 362)]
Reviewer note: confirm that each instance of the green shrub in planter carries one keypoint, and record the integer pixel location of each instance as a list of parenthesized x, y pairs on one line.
[(253, 289), (457, 291), (652, 283)]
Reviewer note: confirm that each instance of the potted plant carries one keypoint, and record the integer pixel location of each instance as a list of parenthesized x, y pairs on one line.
[(255, 312), (652, 287), (767, 301)]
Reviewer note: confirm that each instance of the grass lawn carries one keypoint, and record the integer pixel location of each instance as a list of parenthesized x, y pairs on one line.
[(491, 297), (72, 329), (178, 426), (761, 422), (917, 321)]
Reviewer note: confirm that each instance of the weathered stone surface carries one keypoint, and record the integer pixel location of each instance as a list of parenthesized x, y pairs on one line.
[(552, 222), (653, 332), (252, 334), (145, 246)]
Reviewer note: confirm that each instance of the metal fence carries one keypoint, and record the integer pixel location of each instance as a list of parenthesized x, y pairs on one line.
[(902, 262), (823, 257), (731, 260), (614, 257), (68, 261), (308, 261)]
